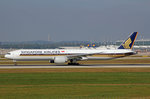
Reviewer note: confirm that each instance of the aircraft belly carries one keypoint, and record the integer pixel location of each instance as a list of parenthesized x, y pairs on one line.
[(99, 58), (105, 56), (109, 55)]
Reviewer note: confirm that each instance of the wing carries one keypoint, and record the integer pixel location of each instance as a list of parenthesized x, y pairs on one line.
[(79, 56)]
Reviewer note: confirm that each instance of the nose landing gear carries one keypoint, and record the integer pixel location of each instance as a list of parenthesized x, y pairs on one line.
[(15, 62)]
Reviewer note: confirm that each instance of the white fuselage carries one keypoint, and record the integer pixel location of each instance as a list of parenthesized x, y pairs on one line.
[(50, 54)]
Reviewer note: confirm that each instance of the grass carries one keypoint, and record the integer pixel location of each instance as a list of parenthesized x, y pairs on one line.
[(1, 56), (70, 84), (76, 92), (74, 78), (93, 83)]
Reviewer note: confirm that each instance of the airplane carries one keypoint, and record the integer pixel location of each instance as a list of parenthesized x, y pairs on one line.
[(71, 56)]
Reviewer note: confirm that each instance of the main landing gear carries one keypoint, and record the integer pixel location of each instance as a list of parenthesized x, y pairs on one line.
[(73, 62)]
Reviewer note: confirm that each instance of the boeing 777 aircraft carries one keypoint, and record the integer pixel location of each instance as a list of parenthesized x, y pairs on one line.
[(60, 56)]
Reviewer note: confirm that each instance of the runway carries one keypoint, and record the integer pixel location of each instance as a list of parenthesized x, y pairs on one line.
[(78, 66)]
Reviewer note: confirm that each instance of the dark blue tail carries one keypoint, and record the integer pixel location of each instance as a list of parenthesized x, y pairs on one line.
[(128, 44)]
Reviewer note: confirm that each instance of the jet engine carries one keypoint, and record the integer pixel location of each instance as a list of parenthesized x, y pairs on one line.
[(59, 60)]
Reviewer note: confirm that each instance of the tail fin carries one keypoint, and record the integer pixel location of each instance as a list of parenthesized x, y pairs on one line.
[(128, 44)]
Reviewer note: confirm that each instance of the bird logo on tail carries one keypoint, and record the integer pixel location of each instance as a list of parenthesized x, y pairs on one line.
[(128, 44)]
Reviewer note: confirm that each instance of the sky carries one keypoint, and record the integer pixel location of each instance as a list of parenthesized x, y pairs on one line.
[(73, 20)]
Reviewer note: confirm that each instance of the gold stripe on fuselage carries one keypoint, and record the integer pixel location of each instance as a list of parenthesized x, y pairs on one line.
[(43, 54), (94, 55)]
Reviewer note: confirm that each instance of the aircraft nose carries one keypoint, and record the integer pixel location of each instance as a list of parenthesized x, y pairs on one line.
[(6, 56)]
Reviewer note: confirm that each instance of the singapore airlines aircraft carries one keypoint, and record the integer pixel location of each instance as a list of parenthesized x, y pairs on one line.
[(72, 56)]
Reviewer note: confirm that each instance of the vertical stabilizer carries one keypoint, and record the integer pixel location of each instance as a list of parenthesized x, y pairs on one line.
[(128, 44)]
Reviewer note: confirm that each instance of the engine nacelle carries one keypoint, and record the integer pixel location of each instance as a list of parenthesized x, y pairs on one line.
[(60, 59)]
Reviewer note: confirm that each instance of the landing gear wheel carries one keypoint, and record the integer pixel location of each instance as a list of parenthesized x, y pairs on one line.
[(73, 64), (15, 62)]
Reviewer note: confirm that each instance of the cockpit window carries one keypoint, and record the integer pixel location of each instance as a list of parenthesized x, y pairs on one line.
[(8, 54)]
